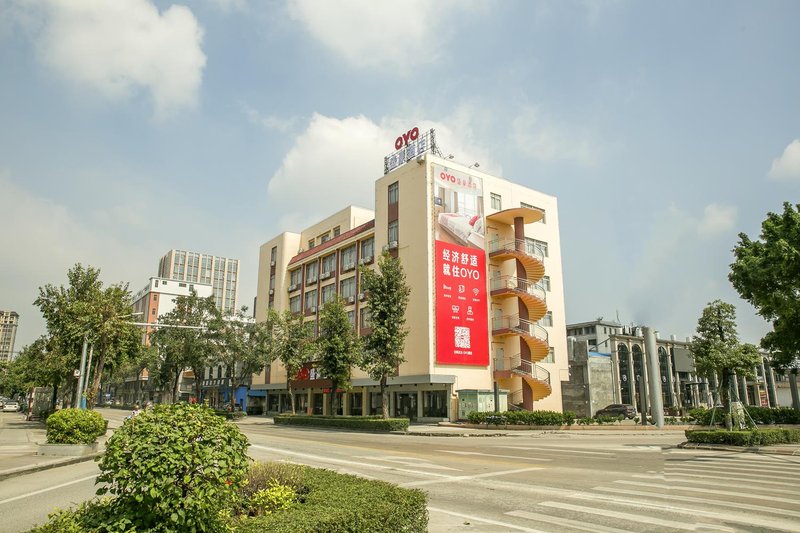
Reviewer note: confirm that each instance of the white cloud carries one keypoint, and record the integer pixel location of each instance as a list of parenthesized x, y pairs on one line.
[(787, 166), (119, 48), (717, 219), (544, 140), (270, 122), (335, 162), (378, 34), (228, 6)]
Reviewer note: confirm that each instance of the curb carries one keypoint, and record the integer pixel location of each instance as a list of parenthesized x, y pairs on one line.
[(763, 450), (440, 434), (29, 469)]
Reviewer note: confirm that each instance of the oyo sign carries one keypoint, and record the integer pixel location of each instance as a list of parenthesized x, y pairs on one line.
[(403, 140)]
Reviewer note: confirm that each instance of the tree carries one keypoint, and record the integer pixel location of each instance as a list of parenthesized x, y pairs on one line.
[(387, 299), (766, 273), (717, 351), (293, 345), (338, 348)]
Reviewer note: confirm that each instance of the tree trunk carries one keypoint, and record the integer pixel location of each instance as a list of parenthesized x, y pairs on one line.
[(793, 389), (197, 385), (384, 398), (53, 400), (291, 395), (101, 361), (332, 403), (175, 386), (725, 395)]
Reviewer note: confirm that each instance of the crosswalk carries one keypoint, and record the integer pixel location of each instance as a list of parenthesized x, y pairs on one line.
[(694, 492)]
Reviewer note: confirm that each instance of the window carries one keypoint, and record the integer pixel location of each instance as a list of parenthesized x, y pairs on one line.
[(547, 320), (393, 232), (336, 231), (328, 293), (393, 193), (219, 372), (545, 283), (311, 272), (497, 201), (349, 258), (311, 300), (271, 281), (535, 247), (434, 403), (294, 304), (365, 318), (529, 206), (296, 276), (310, 243), (329, 264), (368, 249), (273, 255), (351, 316), (551, 356), (325, 237), (347, 287)]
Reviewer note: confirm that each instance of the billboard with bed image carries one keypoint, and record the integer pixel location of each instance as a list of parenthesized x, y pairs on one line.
[(462, 336)]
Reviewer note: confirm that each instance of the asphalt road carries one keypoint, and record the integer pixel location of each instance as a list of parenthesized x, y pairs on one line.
[(523, 482)]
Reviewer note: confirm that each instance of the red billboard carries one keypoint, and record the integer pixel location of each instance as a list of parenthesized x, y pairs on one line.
[(462, 329)]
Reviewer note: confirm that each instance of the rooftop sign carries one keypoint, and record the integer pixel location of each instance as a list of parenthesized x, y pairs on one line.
[(408, 146)]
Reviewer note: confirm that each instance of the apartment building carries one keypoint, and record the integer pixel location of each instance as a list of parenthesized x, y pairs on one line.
[(9, 321), (482, 257), (194, 267)]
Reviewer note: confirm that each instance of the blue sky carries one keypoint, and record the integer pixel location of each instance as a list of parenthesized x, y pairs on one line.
[(131, 127)]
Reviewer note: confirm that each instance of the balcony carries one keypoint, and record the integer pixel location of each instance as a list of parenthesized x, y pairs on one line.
[(533, 295), (534, 335), (528, 215), (535, 376), (531, 257)]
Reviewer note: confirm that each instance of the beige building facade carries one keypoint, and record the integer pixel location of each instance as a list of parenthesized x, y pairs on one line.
[(9, 321), (482, 258)]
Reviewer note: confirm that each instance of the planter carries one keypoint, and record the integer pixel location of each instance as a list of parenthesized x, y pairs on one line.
[(67, 450)]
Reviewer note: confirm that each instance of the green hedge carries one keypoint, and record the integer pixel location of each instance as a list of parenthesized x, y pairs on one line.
[(344, 503), (523, 418), (760, 415), (75, 426), (370, 423), (758, 437)]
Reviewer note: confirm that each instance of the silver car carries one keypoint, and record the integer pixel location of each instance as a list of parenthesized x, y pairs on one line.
[(10, 406)]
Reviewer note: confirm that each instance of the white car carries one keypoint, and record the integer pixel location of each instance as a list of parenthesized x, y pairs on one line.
[(11, 406)]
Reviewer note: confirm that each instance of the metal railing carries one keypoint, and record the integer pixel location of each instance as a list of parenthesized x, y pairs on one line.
[(525, 327), (517, 245), (517, 364), (519, 284)]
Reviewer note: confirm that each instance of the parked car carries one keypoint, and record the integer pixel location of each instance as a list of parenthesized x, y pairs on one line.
[(10, 406), (616, 409)]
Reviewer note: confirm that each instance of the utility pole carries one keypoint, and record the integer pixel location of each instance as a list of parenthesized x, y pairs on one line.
[(654, 377), (78, 390), (88, 372)]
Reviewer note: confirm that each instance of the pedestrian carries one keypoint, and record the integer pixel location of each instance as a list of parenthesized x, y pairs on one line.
[(134, 413)]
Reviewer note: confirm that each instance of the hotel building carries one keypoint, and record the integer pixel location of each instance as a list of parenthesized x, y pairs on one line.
[(482, 258), (193, 267), (9, 320)]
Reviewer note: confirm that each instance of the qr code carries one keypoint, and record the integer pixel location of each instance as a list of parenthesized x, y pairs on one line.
[(462, 337)]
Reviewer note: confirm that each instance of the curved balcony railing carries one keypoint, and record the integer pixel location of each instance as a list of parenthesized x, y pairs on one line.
[(520, 325), (516, 245), (519, 285)]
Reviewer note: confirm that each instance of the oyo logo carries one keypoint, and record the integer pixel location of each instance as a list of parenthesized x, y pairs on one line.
[(447, 177), (410, 135)]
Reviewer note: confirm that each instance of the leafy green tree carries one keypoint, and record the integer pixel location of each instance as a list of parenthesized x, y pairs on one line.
[(293, 345), (338, 347), (766, 273), (717, 351), (387, 299), (188, 339)]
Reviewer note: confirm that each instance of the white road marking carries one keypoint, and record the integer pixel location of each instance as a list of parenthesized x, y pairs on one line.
[(485, 520), (678, 478), (560, 521), (407, 461), (517, 457), (621, 516), (688, 472), (557, 450), (708, 491), (451, 479), (34, 493), (703, 501), (731, 467)]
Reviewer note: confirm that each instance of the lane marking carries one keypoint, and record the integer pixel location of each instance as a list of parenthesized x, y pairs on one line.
[(681, 478), (48, 489), (621, 516), (467, 478), (560, 521), (485, 520), (557, 450), (708, 491), (703, 501), (688, 472), (518, 457), (407, 461)]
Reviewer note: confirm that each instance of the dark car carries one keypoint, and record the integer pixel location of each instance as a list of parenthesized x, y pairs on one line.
[(616, 409)]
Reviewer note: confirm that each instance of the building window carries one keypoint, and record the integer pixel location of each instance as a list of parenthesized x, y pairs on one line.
[(529, 206), (329, 264), (545, 283), (368, 249), (328, 293), (535, 247), (271, 281), (551, 356), (311, 300), (336, 231), (273, 254), (497, 201), (365, 318), (347, 287), (547, 320), (312, 270), (434, 403), (294, 304), (325, 237), (296, 276), (310, 243), (349, 258), (394, 234), (219, 372), (351, 316), (393, 193)]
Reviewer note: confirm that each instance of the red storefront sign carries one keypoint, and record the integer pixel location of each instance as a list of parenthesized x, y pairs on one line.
[(462, 336)]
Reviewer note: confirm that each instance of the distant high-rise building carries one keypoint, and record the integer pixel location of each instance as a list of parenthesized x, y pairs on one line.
[(221, 273), (8, 332)]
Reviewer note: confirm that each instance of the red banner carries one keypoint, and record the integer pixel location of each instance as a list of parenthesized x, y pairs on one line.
[(462, 326)]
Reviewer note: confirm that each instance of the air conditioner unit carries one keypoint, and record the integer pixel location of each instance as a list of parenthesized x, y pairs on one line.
[(294, 287), (392, 245), (361, 295), (272, 263), (349, 266), (351, 299), (325, 275), (312, 279), (271, 292), (312, 309), (362, 261)]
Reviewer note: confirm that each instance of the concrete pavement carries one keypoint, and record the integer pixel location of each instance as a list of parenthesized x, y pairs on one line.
[(19, 439)]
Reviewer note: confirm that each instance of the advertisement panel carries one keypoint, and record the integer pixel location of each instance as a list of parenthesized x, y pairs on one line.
[(462, 336)]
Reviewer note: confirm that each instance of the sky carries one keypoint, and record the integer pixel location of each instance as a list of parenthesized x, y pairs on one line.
[(132, 127)]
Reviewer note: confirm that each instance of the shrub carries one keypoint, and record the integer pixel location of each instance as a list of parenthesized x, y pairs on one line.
[(75, 426), (262, 475), (586, 421), (523, 418), (758, 437), (345, 422), (344, 503), (608, 419), (174, 467)]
